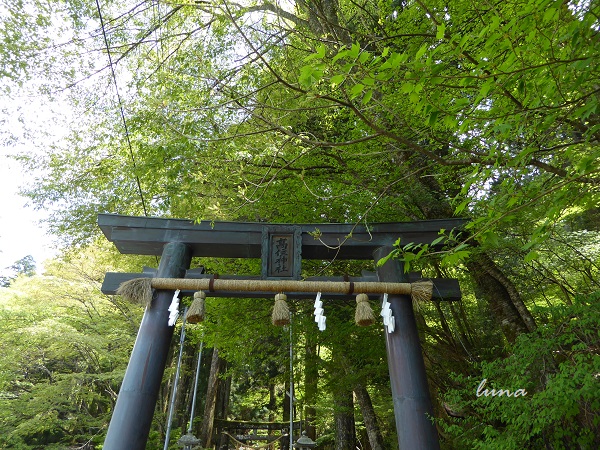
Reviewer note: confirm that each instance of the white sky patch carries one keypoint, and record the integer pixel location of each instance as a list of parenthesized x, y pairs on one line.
[(26, 124), (20, 234)]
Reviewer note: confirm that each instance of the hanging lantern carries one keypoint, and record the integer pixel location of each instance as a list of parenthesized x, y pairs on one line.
[(304, 442)]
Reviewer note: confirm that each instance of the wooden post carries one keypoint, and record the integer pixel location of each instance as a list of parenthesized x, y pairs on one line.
[(130, 423), (410, 392)]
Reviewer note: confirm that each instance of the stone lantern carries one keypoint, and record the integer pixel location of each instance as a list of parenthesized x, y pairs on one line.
[(188, 441), (304, 442)]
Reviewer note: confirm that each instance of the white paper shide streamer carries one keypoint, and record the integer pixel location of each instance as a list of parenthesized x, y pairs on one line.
[(319, 316), (388, 319), (174, 308)]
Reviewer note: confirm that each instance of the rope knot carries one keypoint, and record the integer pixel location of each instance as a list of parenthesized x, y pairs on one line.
[(196, 312), (364, 313), (281, 312)]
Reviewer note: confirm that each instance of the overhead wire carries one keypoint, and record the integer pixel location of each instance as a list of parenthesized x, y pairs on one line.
[(122, 111)]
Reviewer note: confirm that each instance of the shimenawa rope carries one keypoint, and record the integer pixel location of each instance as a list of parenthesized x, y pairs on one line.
[(139, 290)]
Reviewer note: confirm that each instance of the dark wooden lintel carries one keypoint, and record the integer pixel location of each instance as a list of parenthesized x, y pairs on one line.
[(148, 235)]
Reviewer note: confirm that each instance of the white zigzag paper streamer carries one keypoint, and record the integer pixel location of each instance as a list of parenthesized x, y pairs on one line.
[(319, 317), (388, 319), (174, 308)]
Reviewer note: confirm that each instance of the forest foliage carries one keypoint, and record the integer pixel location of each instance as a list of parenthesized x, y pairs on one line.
[(318, 111)]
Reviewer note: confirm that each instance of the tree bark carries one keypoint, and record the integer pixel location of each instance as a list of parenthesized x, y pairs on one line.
[(211, 399), (498, 299), (323, 19), (492, 285), (369, 417), (345, 432), (491, 268), (272, 402), (222, 402), (285, 441), (311, 375)]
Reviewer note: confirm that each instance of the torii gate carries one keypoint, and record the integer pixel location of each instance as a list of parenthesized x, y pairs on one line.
[(177, 241)]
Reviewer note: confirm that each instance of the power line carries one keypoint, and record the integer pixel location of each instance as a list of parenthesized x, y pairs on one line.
[(112, 69)]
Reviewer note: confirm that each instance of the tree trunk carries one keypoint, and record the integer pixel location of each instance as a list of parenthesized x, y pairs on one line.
[(498, 299), (345, 432), (211, 400), (462, 323), (184, 390), (491, 268), (285, 442), (222, 403), (272, 401), (323, 19), (202, 388), (369, 417), (492, 285), (311, 376)]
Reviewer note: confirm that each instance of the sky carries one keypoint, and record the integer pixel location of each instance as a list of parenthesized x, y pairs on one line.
[(20, 232), (29, 121)]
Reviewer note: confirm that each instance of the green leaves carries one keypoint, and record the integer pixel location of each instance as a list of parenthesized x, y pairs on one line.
[(446, 245), (531, 256), (310, 75), (319, 54), (557, 367), (421, 52), (356, 90), (338, 79), (64, 352), (441, 30)]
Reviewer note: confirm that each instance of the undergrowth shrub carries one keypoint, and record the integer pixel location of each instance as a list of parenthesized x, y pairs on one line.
[(558, 365)]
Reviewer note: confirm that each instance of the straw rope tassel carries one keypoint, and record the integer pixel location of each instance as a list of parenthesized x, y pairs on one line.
[(364, 313), (281, 312), (421, 292), (196, 312), (138, 290)]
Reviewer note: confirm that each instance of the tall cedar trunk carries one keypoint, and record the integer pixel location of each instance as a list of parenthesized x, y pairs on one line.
[(490, 267), (345, 432), (162, 402), (463, 325), (272, 401), (311, 376), (178, 409), (499, 301), (272, 404), (323, 19), (343, 399), (285, 442), (202, 388), (183, 400), (160, 413), (211, 399), (369, 417), (492, 285), (223, 403)]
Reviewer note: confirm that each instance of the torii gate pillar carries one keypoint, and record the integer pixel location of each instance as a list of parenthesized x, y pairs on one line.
[(412, 404), (131, 420)]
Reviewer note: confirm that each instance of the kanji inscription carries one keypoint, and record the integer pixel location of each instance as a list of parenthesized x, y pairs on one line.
[(281, 253), (280, 257)]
